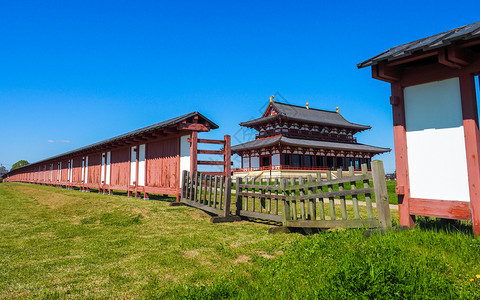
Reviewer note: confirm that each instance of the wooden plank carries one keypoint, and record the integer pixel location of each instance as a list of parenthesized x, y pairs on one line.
[(286, 205), (293, 202), (333, 194), (220, 198), (381, 194), (368, 198), (195, 195), (245, 199), (210, 185), (275, 210), (254, 196), (214, 173), (312, 205), (219, 152), (262, 197), (353, 186), (203, 207), (258, 186), (269, 203), (331, 200), (343, 203), (215, 191), (239, 197), (263, 216), (207, 141), (228, 197), (321, 212), (333, 181), (301, 181), (210, 162), (334, 224)]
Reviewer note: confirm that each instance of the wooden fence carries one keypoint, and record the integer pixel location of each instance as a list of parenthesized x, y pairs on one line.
[(211, 193), (312, 203)]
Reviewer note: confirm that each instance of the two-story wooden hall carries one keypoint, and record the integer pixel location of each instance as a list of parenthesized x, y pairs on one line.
[(295, 138)]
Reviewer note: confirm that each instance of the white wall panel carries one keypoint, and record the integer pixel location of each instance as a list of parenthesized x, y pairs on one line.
[(102, 169), (108, 175), (184, 156), (133, 165), (141, 165), (435, 141)]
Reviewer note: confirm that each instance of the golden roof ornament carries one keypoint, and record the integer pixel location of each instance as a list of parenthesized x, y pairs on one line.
[(306, 105), (271, 98), (337, 109)]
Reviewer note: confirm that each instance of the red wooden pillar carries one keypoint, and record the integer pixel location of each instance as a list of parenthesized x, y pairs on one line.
[(228, 156), (401, 161), (193, 152), (472, 145)]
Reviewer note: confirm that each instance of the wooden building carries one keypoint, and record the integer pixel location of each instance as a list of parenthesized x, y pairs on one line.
[(147, 160), (435, 118), (295, 139)]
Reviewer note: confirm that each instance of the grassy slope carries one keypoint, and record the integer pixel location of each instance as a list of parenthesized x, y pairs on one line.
[(56, 243)]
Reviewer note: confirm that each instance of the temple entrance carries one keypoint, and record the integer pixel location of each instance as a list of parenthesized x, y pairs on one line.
[(265, 162), (330, 162)]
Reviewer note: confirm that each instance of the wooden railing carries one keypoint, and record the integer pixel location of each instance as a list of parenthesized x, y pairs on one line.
[(285, 167), (225, 152)]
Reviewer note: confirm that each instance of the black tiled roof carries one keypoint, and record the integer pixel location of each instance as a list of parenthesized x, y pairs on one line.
[(466, 32), (307, 143), (140, 131), (302, 114)]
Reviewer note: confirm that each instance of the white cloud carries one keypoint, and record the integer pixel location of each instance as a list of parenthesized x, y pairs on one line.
[(59, 141)]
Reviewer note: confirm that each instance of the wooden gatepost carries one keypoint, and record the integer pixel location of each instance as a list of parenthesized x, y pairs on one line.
[(210, 191), (317, 203)]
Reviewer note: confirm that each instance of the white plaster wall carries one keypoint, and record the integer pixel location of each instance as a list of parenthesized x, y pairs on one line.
[(255, 162), (109, 156), (435, 141), (102, 170), (184, 156), (86, 169), (133, 165), (141, 165), (276, 160)]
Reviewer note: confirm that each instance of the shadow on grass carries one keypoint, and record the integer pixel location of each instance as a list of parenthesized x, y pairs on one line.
[(444, 225)]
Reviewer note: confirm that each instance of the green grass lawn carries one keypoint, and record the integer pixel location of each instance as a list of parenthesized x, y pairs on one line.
[(57, 243)]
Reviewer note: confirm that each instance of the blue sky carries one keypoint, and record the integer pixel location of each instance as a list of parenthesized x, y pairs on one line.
[(74, 73)]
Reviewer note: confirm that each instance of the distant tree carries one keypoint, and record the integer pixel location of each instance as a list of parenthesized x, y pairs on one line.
[(3, 170), (19, 164)]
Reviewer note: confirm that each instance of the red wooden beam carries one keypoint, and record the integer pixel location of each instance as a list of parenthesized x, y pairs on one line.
[(210, 163), (193, 127), (440, 208)]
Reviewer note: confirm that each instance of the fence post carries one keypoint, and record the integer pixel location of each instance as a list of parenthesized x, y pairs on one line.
[(239, 199), (381, 194), (286, 204), (184, 184), (228, 196)]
